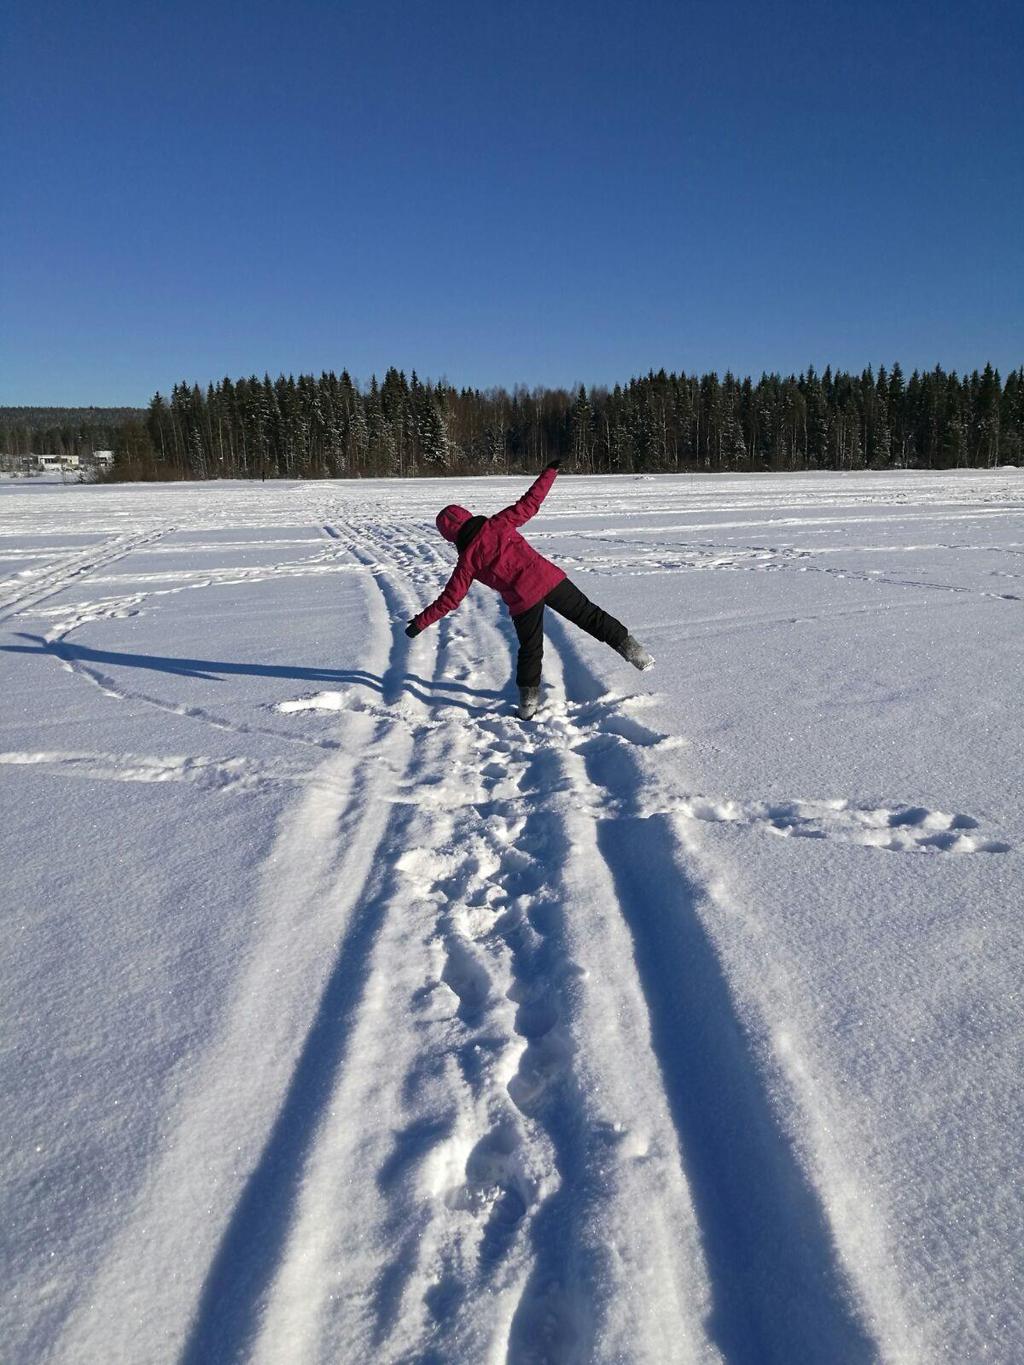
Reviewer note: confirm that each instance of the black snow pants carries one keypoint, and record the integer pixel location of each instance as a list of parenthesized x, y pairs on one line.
[(569, 602)]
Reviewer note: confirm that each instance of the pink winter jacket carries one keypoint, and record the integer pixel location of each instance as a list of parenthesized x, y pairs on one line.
[(498, 556)]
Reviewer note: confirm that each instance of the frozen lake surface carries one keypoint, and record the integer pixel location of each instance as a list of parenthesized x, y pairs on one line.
[(348, 1018)]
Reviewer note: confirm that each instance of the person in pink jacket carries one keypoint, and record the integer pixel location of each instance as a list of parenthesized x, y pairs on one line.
[(492, 551)]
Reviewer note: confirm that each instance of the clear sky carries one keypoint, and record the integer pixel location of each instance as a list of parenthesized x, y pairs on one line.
[(546, 193)]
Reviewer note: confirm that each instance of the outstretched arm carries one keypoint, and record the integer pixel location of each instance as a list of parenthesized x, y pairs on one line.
[(529, 504), (452, 594)]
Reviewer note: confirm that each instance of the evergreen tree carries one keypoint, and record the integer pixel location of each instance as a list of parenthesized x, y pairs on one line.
[(314, 427), (987, 417), (582, 431), (431, 428)]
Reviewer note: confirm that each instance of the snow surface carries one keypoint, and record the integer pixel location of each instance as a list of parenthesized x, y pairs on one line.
[(346, 1018)]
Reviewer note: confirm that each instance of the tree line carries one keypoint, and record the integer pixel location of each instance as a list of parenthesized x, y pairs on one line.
[(330, 427), (27, 431)]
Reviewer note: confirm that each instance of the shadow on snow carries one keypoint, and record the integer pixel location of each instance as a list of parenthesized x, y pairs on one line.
[(439, 692), (777, 1289), (238, 1281)]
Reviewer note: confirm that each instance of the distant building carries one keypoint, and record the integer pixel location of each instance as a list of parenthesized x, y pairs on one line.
[(103, 457), (55, 462)]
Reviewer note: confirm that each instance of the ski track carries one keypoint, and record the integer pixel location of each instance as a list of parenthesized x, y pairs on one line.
[(19, 593), (430, 857), (653, 557)]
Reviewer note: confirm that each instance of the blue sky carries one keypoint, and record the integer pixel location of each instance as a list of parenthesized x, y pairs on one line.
[(544, 193)]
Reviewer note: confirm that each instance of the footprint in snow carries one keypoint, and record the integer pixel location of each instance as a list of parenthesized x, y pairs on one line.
[(467, 978), (903, 829), (543, 1061)]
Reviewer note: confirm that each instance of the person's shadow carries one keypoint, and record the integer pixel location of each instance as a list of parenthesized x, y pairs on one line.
[(435, 693)]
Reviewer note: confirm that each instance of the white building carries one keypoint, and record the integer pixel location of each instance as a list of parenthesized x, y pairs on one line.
[(55, 462), (103, 457)]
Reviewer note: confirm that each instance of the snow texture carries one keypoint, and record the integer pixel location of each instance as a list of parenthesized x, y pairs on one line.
[(348, 1018)]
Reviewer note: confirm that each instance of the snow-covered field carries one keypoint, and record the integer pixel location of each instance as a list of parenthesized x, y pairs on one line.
[(348, 1019)]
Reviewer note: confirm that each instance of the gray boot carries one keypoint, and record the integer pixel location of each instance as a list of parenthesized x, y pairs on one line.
[(529, 700), (633, 652)]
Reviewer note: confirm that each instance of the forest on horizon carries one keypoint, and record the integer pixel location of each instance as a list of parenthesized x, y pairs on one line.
[(330, 427)]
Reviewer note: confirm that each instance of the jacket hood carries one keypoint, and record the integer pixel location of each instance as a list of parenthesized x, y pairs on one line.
[(450, 521), (468, 532)]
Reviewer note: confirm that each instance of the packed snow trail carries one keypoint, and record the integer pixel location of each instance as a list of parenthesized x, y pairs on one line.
[(501, 1150), (507, 1065)]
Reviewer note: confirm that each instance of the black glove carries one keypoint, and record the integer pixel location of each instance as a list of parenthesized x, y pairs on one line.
[(412, 629), (553, 464)]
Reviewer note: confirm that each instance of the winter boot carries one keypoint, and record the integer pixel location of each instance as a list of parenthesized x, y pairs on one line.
[(633, 652), (529, 700)]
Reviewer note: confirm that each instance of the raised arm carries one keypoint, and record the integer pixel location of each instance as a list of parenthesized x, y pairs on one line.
[(529, 504), (451, 595)]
